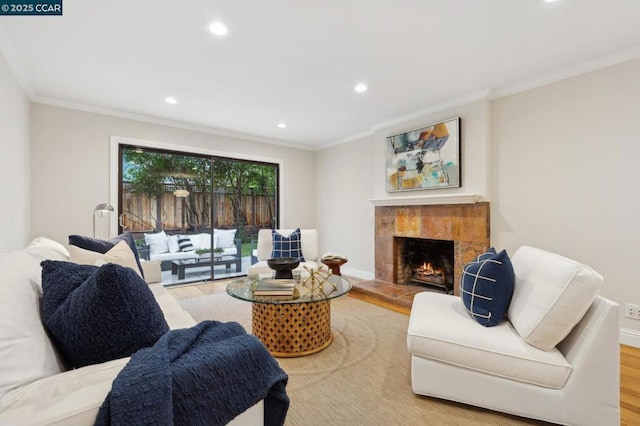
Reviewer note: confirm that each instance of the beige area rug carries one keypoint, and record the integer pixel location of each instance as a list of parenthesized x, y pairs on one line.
[(363, 378)]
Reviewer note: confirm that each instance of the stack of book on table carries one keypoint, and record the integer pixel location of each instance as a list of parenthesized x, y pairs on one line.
[(274, 287)]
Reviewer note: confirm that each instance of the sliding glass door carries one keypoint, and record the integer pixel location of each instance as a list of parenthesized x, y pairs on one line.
[(196, 216)]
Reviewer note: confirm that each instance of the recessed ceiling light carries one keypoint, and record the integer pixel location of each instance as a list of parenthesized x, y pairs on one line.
[(171, 100), (360, 87), (218, 28), (282, 125), (549, 1)]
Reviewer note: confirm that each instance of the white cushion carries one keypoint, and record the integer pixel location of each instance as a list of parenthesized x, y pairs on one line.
[(551, 295), (72, 397), (152, 270), (226, 237), (120, 254), (26, 353), (45, 248), (205, 241), (172, 243), (457, 339), (157, 242), (181, 255)]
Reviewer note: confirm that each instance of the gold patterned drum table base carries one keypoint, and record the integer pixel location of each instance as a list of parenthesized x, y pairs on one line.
[(293, 329)]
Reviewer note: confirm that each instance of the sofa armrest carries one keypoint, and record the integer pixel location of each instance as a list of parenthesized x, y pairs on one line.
[(254, 251), (144, 251), (70, 398), (238, 247)]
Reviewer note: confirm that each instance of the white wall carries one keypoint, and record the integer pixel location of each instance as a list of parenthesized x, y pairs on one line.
[(14, 161), (70, 167), (345, 217), (558, 163), (567, 176)]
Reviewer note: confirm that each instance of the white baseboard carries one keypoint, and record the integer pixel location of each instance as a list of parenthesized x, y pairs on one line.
[(630, 337), (357, 273)]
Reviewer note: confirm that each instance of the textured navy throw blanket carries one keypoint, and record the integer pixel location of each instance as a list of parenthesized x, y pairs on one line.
[(204, 375)]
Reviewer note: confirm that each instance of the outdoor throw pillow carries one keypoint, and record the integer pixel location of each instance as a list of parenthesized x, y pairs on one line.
[(98, 314), (487, 286), (185, 243), (226, 237), (103, 246), (289, 246), (158, 242)]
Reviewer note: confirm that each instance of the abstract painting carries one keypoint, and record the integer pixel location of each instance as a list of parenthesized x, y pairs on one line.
[(425, 158)]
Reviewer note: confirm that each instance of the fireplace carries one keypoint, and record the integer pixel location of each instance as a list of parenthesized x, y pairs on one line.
[(463, 226), (425, 262)]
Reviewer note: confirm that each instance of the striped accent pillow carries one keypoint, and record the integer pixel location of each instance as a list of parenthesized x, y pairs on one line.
[(185, 243), (487, 286)]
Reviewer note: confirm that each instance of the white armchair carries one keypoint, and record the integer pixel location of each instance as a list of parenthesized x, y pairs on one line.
[(309, 245), (503, 368)]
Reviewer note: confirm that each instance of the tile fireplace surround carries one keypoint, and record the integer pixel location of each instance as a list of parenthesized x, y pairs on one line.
[(467, 225)]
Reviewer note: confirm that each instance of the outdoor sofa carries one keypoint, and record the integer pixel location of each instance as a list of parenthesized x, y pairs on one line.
[(165, 248)]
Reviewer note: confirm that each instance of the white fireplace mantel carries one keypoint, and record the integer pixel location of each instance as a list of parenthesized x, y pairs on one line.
[(427, 200)]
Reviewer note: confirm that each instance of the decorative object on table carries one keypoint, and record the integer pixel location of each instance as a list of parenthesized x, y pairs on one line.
[(274, 287), (426, 158), (101, 209), (334, 261), (283, 266), (317, 279)]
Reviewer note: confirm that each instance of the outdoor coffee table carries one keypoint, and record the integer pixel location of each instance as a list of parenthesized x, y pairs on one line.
[(296, 326), (180, 266)]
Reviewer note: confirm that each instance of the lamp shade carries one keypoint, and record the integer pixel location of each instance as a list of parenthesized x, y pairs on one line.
[(104, 207), (181, 193)]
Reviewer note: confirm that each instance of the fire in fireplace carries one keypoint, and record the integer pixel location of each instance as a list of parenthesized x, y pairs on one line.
[(425, 262)]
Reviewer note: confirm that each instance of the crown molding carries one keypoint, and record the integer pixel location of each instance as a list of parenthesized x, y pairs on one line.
[(570, 72), (165, 122), (434, 109)]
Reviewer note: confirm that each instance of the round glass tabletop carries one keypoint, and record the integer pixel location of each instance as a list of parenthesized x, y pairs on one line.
[(307, 290)]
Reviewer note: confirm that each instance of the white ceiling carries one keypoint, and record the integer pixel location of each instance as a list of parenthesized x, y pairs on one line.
[(298, 61)]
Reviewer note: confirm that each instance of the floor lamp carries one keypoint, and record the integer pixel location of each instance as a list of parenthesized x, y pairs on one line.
[(102, 209)]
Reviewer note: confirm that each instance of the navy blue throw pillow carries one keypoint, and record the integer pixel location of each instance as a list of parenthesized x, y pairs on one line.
[(487, 286), (110, 315), (289, 246), (103, 246), (59, 279)]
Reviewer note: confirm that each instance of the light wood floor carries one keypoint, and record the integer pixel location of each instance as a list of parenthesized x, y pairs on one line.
[(629, 356)]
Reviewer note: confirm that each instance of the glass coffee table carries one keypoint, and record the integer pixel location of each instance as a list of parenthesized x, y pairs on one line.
[(293, 326)]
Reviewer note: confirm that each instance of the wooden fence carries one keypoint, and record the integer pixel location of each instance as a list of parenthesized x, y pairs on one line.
[(143, 214)]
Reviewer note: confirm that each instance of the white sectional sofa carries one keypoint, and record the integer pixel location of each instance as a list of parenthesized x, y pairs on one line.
[(309, 245), (35, 387), (165, 248)]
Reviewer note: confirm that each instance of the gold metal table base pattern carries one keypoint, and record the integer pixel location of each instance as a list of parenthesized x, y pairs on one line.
[(293, 329)]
